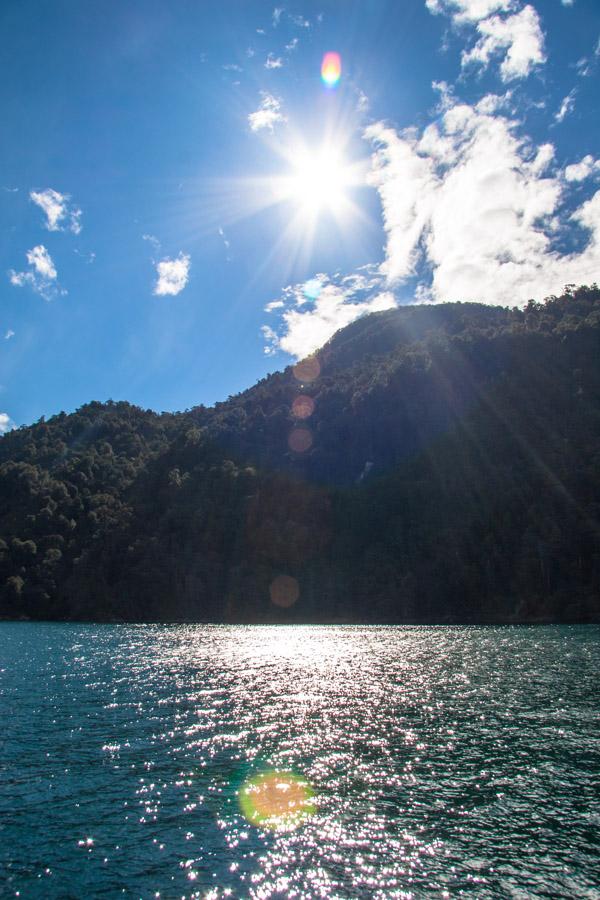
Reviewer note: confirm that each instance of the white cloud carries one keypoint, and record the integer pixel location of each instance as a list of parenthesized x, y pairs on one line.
[(470, 207), (41, 276), (518, 39), (543, 158), (268, 113), (407, 183), (20, 279), (60, 215), (306, 324), (277, 14), (582, 170), (41, 261), (468, 10), (292, 44), (10, 333), (567, 106), (493, 103), (567, 2), (6, 423), (173, 275), (273, 62)]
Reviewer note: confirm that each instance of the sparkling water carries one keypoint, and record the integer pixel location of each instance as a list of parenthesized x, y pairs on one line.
[(422, 761)]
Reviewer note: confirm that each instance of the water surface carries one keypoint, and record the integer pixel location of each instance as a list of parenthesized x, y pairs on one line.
[(445, 761)]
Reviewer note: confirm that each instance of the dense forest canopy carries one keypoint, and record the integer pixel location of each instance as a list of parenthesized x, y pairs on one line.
[(430, 463)]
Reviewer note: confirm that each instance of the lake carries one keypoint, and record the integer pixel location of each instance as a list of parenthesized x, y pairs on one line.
[(309, 761)]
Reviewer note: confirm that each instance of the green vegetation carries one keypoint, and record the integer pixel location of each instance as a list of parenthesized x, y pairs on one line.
[(453, 475)]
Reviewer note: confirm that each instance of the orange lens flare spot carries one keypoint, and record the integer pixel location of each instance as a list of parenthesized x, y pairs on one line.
[(276, 800), (300, 440), (303, 407), (331, 69), (307, 370), (284, 591)]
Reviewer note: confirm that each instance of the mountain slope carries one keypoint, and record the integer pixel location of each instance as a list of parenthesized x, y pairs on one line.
[(448, 470)]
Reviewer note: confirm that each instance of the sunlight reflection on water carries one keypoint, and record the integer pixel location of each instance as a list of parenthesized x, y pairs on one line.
[(428, 761)]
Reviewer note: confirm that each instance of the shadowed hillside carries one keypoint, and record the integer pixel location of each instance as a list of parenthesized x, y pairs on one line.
[(430, 463)]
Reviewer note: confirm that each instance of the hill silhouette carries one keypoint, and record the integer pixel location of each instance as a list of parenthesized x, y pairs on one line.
[(429, 464)]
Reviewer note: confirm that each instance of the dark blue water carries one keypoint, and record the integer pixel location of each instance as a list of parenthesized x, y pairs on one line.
[(444, 761)]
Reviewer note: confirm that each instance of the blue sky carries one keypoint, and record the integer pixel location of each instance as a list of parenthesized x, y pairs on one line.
[(186, 206)]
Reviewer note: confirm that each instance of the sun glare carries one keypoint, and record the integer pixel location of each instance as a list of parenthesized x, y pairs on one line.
[(319, 180)]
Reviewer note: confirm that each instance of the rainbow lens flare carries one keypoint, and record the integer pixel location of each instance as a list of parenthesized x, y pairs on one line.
[(331, 69), (276, 800), (312, 288)]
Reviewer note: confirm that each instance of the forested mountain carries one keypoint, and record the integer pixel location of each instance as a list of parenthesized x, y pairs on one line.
[(430, 463)]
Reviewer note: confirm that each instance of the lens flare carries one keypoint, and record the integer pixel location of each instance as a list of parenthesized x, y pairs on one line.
[(307, 370), (331, 69), (276, 800), (300, 440), (303, 407), (284, 591), (312, 289)]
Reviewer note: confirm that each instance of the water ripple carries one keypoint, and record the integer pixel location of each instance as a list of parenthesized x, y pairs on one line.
[(432, 761)]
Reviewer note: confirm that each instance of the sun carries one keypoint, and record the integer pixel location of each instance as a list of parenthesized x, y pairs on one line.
[(318, 180)]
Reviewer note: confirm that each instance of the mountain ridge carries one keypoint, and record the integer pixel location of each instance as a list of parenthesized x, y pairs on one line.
[(430, 463)]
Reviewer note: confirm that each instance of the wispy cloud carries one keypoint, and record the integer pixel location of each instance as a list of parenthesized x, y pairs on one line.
[(274, 304), (153, 240), (362, 103), (6, 423), (41, 275), (567, 106), (273, 62), (60, 214), (172, 275), (226, 243), (299, 21), (9, 334), (471, 210), (268, 113), (309, 314), (89, 258), (585, 66)]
